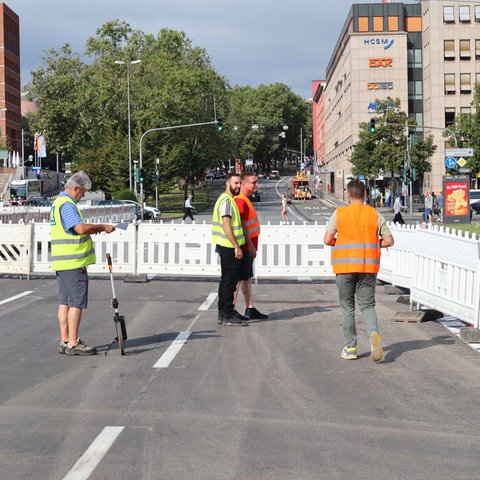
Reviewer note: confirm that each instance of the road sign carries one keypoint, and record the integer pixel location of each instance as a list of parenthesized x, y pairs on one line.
[(459, 152), (461, 162), (450, 162), (361, 177)]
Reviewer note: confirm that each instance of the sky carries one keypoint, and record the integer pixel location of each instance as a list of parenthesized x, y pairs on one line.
[(250, 42)]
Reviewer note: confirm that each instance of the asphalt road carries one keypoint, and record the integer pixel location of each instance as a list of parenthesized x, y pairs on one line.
[(194, 400)]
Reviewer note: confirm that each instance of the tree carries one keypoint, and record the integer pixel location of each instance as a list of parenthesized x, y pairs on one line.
[(83, 108), (270, 107), (385, 150)]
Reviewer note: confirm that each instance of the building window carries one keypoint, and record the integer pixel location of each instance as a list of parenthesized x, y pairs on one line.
[(448, 16), (393, 24), (415, 90), (477, 77), (465, 110), (477, 49), (449, 49), (465, 83), (449, 116), (464, 13), (363, 24), (465, 50), (477, 13), (414, 56), (378, 24), (449, 79)]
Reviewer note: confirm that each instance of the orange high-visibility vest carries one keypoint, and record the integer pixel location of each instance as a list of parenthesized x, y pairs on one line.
[(253, 223), (357, 248)]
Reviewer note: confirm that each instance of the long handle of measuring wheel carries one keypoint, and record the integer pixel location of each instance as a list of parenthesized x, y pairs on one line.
[(109, 261)]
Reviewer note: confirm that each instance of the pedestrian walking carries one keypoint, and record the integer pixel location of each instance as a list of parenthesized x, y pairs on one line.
[(428, 202), (187, 209), (72, 252), (227, 236), (397, 210), (439, 206), (284, 211), (356, 233), (251, 232)]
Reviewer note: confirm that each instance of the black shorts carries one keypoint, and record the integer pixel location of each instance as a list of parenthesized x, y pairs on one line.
[(246, 270), (73, 287)]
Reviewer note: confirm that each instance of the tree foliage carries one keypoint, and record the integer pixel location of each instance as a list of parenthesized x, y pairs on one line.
[(83, 108), (385, 150), (466, 129)]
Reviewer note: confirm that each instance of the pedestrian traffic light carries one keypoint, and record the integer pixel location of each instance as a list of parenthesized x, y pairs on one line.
[(408, 176), (141, 175), (154, 177), (219, 124), (372, 125)]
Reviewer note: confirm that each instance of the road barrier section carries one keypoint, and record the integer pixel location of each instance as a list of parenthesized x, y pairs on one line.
[(439, 266)]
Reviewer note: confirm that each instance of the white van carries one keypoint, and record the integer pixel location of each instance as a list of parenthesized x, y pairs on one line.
[(474, 196)]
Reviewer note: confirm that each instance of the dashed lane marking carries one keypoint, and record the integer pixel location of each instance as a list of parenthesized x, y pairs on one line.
[(20, 295), (87, 463)]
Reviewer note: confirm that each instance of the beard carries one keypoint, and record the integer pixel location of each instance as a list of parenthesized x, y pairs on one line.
[(234, 190)]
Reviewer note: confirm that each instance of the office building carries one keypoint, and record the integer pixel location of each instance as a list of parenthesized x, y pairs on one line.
[(10, 100), (426, 53)]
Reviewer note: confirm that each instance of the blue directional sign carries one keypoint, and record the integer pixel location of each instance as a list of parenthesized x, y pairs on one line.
[(450, 162)]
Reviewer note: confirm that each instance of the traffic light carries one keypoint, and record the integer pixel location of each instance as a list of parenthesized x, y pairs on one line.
[(414, 173), (141, 175), (408, 176), (372, 125), (154, 177), (219, 124), (135, 175)]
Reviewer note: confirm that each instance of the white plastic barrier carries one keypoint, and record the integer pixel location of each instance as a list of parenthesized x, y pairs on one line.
[(15, 248), (121, 244), (440, 267), (92, 214), (446, 273)]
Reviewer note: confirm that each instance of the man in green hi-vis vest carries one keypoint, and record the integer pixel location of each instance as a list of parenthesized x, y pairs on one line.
[(72, 251), (227, 236)]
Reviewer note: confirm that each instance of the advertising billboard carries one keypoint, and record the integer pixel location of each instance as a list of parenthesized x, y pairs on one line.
[(456, 208)]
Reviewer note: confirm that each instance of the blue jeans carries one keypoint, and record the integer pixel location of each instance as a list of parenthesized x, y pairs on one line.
[(362, 287)]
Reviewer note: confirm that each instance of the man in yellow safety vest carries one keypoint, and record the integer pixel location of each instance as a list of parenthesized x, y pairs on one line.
[(72, 251), (227, 235)]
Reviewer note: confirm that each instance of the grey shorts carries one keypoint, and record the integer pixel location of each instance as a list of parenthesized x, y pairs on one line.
[(73, 287)]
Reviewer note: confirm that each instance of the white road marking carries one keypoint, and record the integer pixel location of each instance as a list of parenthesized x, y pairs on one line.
[(20, 295), (87, 463), (171, 352), (206, 304)]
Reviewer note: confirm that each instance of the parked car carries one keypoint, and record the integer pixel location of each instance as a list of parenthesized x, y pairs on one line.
[(255, 197), (147, 214), (154, 211), (475, 208)]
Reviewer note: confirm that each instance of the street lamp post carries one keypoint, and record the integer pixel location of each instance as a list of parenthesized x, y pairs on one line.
[(133, 62)]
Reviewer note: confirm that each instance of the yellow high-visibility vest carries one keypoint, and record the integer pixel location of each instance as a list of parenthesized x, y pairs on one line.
[(218, 235), (68, 251)]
